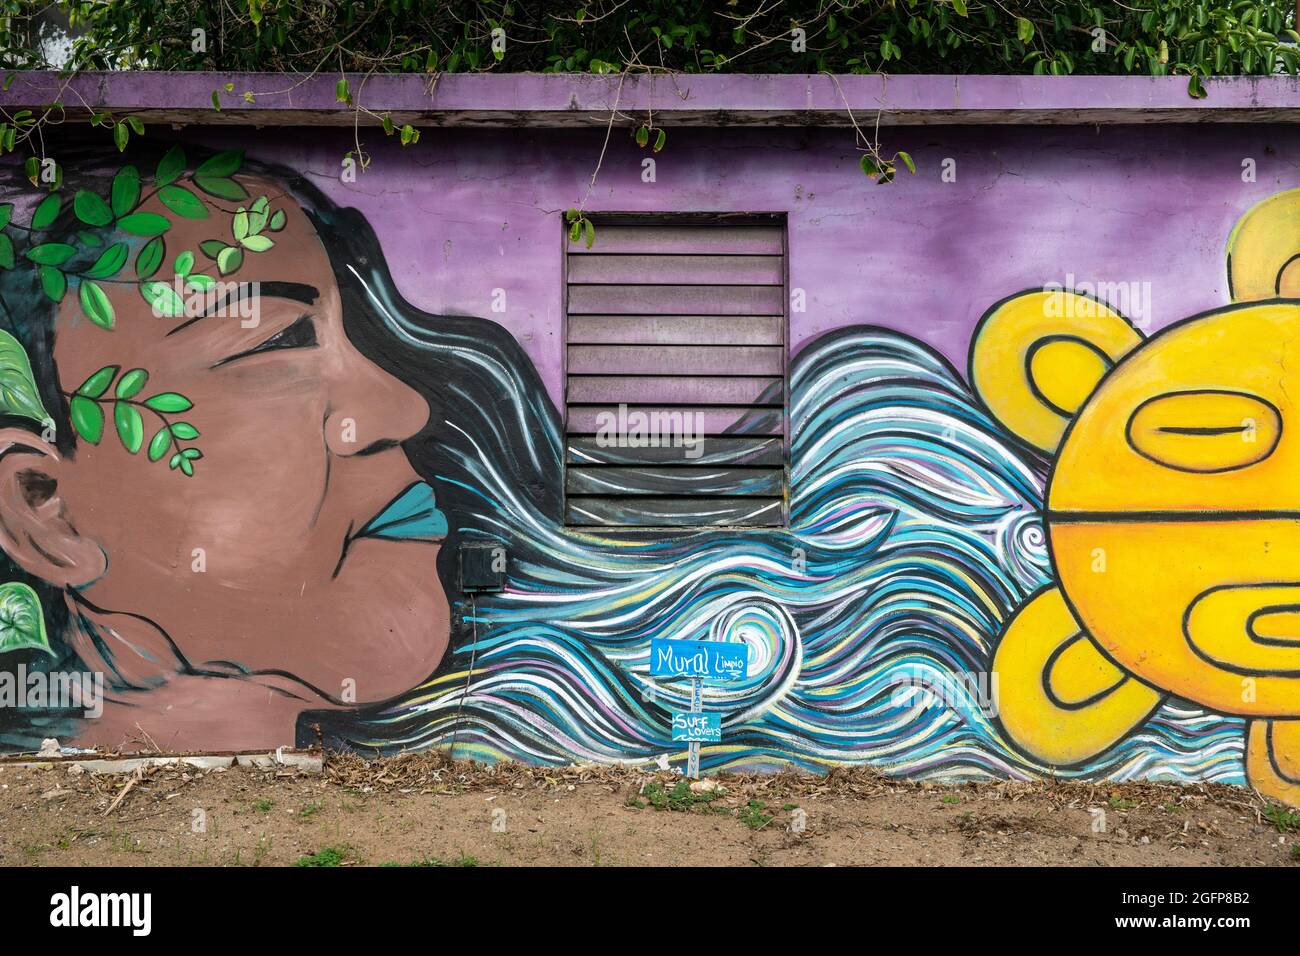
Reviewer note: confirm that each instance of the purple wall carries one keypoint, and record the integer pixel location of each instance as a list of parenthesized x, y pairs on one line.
[(468, 211)]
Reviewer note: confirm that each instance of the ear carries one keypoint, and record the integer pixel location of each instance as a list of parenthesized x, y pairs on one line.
[(1037, 356), (36, 531), (1264, 250)]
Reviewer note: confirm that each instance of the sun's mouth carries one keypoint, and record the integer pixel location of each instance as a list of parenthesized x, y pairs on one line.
[(411, 516)]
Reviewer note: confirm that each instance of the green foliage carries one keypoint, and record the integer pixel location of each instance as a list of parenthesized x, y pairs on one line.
[(752, 815), (1285, 820), (1187, 37), (330, 856), (85, 408), (22, 624), (18, 393), (680, 797)]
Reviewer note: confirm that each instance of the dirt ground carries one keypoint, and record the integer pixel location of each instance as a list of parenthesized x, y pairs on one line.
[(426, 810)]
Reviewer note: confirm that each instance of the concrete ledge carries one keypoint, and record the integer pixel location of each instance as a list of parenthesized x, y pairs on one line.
[(308, 761), (580, 100)]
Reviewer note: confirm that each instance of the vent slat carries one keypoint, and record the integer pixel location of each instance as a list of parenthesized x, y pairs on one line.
[(676, 480), (670, 359), (676, 330), (682, 512), (685, 421), (677, 299), (583, 450), (675, 389), (674, 270), (688, 240)]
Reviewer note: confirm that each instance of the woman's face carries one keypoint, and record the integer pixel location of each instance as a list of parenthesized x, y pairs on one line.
[(261, 557)]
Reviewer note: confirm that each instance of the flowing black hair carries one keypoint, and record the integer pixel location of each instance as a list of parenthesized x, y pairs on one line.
[(463, 366)]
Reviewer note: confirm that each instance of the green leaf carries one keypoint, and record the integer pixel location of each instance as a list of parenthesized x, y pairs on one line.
[(225, 163), (908, 162), (187, 469), (212, 247), (162, 299), (170, 166), (98, 383), (1195, 88), (137, 126), (642, 136), (22, 621), (1024, 29), (183, 202), (257, 243), (589, 228), (130, 426), (129, 385), (18, 394), (199, 281), (110, 261), (94, 302), (216, 100), (176, 459), (6, 213), (150, 258), (6, 252), (220, 187), (120, 135), (169, 402), (184, 263), (575, 232), (53, 283), (87, 418), (46, 212), (231, 258), (869, 166), (660, 140), (239, 225), (90, 209), (51, 253), (960, 7), (89, 239), (159, 444), (185, 430), (144, 224), (277, 221)]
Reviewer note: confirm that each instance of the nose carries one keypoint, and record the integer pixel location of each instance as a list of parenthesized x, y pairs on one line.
[(370, 409)]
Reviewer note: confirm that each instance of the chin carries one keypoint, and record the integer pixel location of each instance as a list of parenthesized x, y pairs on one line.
[(391, 622)]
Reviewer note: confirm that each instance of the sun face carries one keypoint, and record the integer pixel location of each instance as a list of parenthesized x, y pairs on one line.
[(1174, 515)]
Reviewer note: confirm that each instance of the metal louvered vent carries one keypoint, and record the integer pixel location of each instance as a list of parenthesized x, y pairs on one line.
[(676, 372)]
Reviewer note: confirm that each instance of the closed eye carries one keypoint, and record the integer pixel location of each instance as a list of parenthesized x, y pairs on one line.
[(300, 335)]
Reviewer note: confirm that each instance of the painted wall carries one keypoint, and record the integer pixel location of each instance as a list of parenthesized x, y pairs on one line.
[(918, 615)]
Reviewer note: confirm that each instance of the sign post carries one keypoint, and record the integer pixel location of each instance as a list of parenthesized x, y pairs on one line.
[(718, 661)]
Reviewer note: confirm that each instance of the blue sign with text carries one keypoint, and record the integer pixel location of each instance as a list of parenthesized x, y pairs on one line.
[(708, 660), (699, 728)]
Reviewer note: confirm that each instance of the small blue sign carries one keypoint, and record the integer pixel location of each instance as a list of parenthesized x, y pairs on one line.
[(697, 728), (708, 660)]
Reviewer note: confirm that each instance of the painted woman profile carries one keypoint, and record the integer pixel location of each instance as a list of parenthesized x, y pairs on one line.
[(208, 489)]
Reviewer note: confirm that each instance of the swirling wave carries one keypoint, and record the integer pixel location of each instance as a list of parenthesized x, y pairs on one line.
[(914, 534)]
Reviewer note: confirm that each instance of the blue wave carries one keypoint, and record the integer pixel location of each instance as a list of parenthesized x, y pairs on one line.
[(914, 534)]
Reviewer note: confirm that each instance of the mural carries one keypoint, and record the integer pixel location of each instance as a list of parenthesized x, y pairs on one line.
[(237, 469), (1171, 510)]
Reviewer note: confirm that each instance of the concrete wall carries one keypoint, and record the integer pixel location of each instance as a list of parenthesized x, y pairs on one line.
[(918, 613)]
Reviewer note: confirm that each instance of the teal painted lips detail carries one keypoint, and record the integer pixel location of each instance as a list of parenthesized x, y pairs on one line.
[(412, 515)]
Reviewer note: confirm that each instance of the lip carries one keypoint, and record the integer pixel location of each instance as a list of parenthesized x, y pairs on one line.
[(412, 515)]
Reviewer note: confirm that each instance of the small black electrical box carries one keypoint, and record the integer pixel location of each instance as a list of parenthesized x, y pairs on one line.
[(482, 568)]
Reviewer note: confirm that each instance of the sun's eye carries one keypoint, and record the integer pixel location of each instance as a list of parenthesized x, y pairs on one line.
[(1205, 431), (300, 335)]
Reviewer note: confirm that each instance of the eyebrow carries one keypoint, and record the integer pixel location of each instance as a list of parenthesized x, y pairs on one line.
[(295, 291)]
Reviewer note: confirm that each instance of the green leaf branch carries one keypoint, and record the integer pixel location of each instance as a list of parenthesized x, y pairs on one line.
[(86, 409)]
